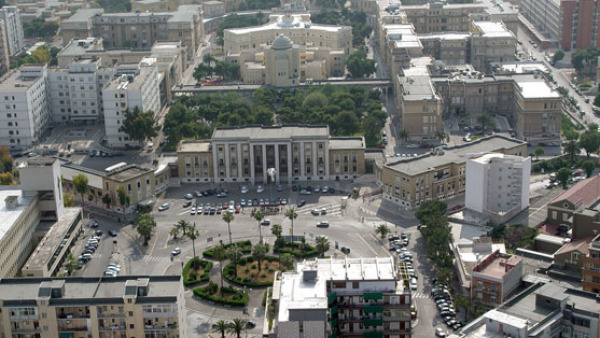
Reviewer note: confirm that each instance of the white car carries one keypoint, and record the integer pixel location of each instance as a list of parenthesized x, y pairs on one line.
[(413, 284), (111, 273), (193, 211), (114, 268), (304, 192), (439, 332), (164, 207), (176, 252), (260, 189), (244, 190)]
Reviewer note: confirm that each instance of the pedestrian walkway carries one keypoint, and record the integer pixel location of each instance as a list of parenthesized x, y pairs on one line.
[(144, 258), (419, 295), (332, 209)]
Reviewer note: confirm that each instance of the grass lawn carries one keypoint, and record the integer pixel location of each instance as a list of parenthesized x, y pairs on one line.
[(250, 270)]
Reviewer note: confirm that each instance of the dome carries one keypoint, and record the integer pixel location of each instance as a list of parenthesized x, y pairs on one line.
[(282, 42)]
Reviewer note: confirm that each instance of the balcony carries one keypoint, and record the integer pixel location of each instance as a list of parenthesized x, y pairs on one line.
[(147, 314), (26, 330), (23, 317), (373, 295), (111, 328), (373, 321), (161, 327), (373, 308), (110, 314), (70, 328)]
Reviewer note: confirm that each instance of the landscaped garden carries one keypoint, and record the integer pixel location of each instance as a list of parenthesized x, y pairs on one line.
[(196, 271), (226, 295)]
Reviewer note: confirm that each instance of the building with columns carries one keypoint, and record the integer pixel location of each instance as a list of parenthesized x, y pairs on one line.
[(295, 152)]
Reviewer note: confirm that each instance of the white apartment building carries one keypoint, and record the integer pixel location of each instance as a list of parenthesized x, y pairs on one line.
[(497, 185), (25, 114), (4, 52), (134, 87), (13, 27), (74, 93)]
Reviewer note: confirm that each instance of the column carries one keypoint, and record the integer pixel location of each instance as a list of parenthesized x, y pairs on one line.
[(315, 172), (289, 162), (215, 161), (302, 159), (227, 169), (277, 162), (326, 152), (251, 149), (240, 161), (264, 163)]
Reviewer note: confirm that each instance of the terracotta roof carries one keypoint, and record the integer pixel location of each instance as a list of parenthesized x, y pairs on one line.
[(580, 245), (588, 190)]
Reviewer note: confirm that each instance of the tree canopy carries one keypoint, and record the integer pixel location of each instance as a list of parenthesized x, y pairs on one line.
[(113, 6), (356, 19), (139, 125), (39, 28), (240, 21), (359, 66)]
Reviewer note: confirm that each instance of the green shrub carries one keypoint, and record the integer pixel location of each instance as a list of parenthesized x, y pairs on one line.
[(271, 270), (264, 275), (250, 259), (210, 292), (309, 250), (228, 274), (253, 266), (252, 275), (246, 270), (191, 276), (264, 300), (246, 247)]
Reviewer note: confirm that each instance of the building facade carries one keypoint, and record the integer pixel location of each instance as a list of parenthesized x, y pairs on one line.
[(124, 306), (4, 51), (295, 152), (439, 175), (491, 42), (341, 297), (495, 278), (26, 115), (591, 267), (437, 17), (135, 87), (13, 29), (497, 185)]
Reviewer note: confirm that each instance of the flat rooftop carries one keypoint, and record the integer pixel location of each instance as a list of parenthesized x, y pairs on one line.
[(537, 90), (14, 82), (451, 36), (497, 267), (403, 36), (283, 132), (456, 155), (290, 22), (83, 15), (493, 29), (93, 289), (346, 143), (139, 79), (10, 215), (349, 269), (51, 241), (194, 147), (521, 67), (296, 293), (128, 172), (417, 81)]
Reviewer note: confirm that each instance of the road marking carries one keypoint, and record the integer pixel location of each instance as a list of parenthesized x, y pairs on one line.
[(367, 243)]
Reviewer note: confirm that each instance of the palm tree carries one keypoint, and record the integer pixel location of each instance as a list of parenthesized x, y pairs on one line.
[(236, 327), (258, 215), (228, 218), (291, 214), (259, 251), (322, 245), (382, 230), (235, 253), (208, 59), (220, 327), (183, 225), (174, 232), (219, 253), (276, 230), (572, 148), (287, 260), (193, 235)]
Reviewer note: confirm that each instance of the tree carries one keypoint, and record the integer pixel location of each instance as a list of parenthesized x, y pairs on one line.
[(193, 234), (259, 251), (208, 59), (107, 200), (236, 327), (123, 196), (563, 176), (202, 71), (220, 327), (228, 218), (572, 149), (287, 260), (485, 120), (69, 200), (277, 230), (71, 264), (559, 55), (6, 179), (590, 141), (291, 214), (139, 125), (597, 100), (322, 245), (7, 163), (258, 216), (80, 182), (404, 135), (346, 123), (359, 66), (382, 230), (589, 167), (235, 253), (174, 231), (219, 253), (539, 151), (577, 59), (145, 224)]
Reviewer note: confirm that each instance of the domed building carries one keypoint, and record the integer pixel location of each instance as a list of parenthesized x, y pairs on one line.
[(282, 62)]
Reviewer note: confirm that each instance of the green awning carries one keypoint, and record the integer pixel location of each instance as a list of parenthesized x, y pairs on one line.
[(334, 323), (333, 335), (373, 335), (373, 295), (332, 297), (373, 322), (373, 308), (333, 311)]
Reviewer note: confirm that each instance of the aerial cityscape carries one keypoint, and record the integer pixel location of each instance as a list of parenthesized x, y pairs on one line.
[(300, 168)]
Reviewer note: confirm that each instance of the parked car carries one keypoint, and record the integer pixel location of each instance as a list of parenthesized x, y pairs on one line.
[(345, 250), (260, 189), (315, 212), (187, 204), (439, 332), (188, 196), (244, 189), (266, 221), (164, 206), (301, 203), (323, 224), (323, 211), (112, 233)]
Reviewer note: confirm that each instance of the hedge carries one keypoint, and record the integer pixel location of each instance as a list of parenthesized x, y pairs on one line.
[(229, 272), (246, 247), (211, 293), (309, 251), (205, 277)]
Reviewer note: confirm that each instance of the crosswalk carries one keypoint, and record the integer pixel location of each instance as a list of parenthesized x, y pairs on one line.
[(418, 295), (332, 209), (123, 258)]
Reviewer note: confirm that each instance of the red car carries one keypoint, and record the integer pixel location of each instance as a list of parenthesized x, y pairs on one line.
[(237, 209)]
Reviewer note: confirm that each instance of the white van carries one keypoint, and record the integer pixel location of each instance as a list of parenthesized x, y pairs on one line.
[(150, 146)]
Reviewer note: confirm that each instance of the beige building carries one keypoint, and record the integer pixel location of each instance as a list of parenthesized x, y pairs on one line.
[(124, 306), (440, 175), (155, 5), (295, 152), (418, 103), (437, 17), (4, 51), (491, 42), (452, 48), (297, 27), (399, 44), (138, 30), (591, 267)]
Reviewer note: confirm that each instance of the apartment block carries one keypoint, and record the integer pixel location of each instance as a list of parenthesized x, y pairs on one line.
[(399, 44), (451, 48), (13, 28), (541, 310), (497, 185), (134, 86), (438, 175), (296, 152), (25, 113), (341, 298), (591, 267), (495, 278), (437, 17), (491, 42), (138, 30), (124, 306), (297, 27), (4, 51), (567, 24), (418, 103)]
